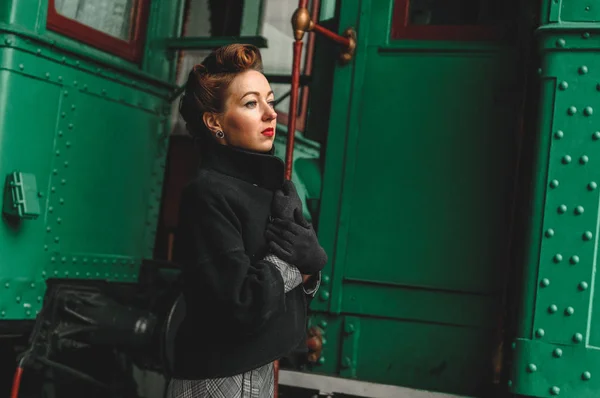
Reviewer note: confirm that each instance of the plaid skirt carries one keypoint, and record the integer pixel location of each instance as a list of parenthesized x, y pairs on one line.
[(256, 383)]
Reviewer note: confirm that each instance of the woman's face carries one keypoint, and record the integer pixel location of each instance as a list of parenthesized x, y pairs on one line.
[(249, 119)]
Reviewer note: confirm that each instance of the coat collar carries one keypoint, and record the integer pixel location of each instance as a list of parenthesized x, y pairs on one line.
[(261, 169)]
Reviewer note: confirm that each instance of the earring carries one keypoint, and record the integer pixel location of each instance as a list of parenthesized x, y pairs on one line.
[(220, 134)]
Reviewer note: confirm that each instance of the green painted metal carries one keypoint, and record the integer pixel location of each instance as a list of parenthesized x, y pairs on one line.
[(95, 132), (21, 197), (414, 208), (203, 43), (557, 345)]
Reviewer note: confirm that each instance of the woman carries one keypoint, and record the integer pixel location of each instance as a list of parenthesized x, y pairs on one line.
[(249, 259)]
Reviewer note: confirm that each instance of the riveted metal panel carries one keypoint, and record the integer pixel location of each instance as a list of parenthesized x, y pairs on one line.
[(579, 11), (556, 352), (95, 140)]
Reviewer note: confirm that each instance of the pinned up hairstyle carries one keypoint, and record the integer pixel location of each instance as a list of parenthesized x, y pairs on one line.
[(207, 83)]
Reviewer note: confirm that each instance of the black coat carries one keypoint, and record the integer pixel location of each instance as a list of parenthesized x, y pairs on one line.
[(238, 316)]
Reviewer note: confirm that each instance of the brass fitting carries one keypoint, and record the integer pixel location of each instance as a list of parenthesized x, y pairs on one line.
[(301, 23), (347, 54)]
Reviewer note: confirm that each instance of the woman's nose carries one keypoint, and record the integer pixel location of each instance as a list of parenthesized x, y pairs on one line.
[(270, 114)]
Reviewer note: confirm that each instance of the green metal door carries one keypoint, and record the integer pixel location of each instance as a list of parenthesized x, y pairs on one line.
[(415, 204), (557, 349)]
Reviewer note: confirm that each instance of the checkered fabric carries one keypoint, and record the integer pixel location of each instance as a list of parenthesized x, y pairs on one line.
[(291, 275), (257, 383)]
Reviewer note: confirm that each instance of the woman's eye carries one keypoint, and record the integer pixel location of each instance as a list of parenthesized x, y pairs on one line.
[(272, 103), (250, 104)]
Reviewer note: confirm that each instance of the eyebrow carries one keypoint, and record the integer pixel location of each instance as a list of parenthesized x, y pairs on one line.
[(256, 93)]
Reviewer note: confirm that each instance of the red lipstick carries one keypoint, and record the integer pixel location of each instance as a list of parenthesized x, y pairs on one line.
[(270, 132)]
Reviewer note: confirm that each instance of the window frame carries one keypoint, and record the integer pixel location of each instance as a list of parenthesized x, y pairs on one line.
[(131, 50), (402, 29)]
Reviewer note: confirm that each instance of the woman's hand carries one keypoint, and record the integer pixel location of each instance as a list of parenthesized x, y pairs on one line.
[(286, 202), (296, 244)]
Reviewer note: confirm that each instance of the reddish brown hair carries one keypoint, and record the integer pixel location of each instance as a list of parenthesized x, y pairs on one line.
[(207, 83)]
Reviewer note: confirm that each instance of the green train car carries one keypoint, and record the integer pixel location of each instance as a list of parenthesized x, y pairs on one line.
[(449, 166)]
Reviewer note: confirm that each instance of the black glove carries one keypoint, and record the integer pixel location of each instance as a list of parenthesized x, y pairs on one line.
[(296, 244), (285, 202)]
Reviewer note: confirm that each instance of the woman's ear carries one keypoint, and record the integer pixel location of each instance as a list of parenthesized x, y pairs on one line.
[(211, 120)]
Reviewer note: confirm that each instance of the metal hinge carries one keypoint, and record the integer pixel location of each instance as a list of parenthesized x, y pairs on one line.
[(21, 196)]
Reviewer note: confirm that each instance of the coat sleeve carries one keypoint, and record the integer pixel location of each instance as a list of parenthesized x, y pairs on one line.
[(218, 275)]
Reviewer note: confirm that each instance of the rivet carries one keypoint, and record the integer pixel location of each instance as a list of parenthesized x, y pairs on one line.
[(63, 59), (592, 185), (574, 259), (85, 87), (584, 159), (57, 153), (48, 229), (554, 184), (18, 299), (323, 324), (8, 42), (47, 75), (21, 66), (7, 285), (588, 111), (60, 78), (572, 110), (513, 346), (586, 35), (74, 259), (77, 63), (59, 220), (561, 43), (586, 375), (577, 337), (583, 70), (579, 210), (64, 260), (569, 311), (562, 209), (324, 296), (52, 259), (85, 260), (596, 136), (63, 181), (55, 171), (540, 333), (549, 233), (39, 51), (566, 159), (88, 274), (349, 328), (63, 114), (559, 134), (70, 126), (66, 273), (545, 282), (531, 368), (66, 164), (60, 133), (75, 83), (103, 92), (39, 299), (587, 235), (552, 309), (321, 360), (587, 8), (55, 272), (46, 247), (62, 201), (50, 209), (583, 285), (73, 107), (66, 93), (557, 353), (325, 279), (563, 85), (77, 273)]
